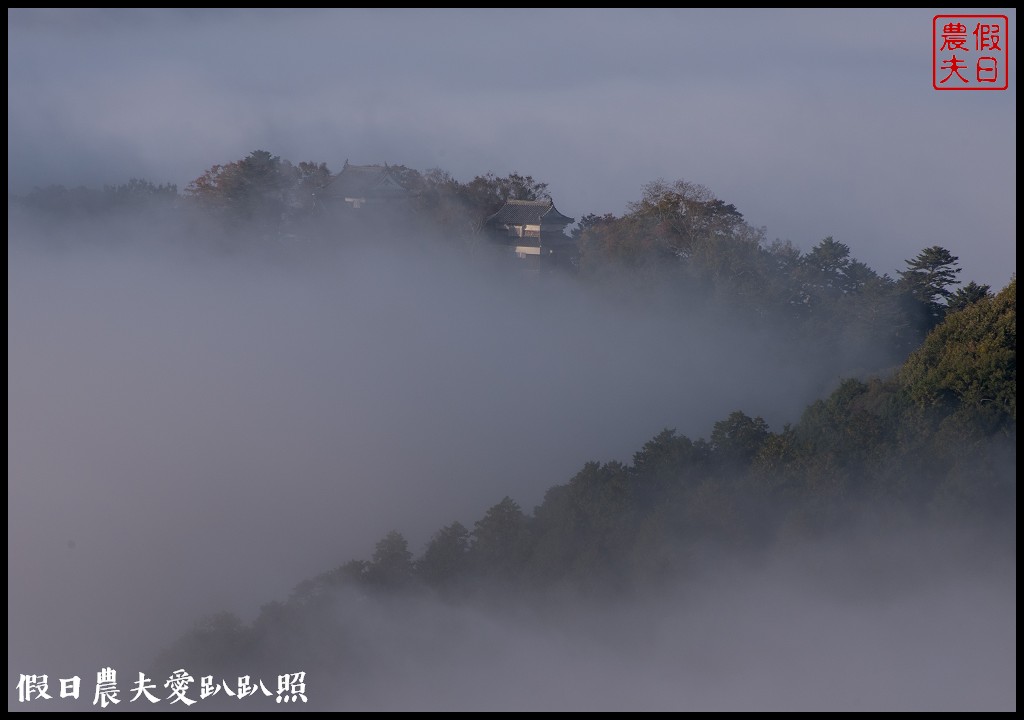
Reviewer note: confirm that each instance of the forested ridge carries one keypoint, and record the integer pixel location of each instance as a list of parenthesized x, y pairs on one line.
[(678, 244), (932, 446)]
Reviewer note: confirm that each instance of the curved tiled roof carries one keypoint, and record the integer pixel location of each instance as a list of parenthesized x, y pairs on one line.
[(364, 180), (529, 212)]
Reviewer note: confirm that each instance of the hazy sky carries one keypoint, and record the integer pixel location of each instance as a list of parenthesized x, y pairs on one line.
[(813, 123)]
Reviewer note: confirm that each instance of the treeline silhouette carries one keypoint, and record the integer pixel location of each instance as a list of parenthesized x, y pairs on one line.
[(678, 246), (934, 443)]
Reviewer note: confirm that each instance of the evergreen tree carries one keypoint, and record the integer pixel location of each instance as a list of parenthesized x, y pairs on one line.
[(928, 279)]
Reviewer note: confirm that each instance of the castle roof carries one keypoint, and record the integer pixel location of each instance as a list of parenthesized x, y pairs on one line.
[(362, 181), (529, 212)]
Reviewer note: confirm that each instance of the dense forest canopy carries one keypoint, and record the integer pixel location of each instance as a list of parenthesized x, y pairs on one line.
[(933, 443)]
